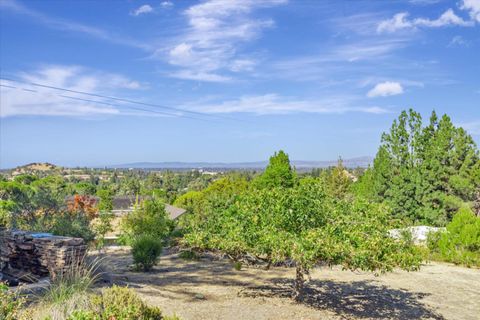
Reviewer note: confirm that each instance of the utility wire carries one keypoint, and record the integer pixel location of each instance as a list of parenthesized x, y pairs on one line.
[(119, 99), (110, 104)]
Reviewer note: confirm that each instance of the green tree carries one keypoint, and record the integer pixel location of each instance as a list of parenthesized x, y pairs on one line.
[(305, 224), (148, 218), (424, 174), (338, 180), (278, 173)]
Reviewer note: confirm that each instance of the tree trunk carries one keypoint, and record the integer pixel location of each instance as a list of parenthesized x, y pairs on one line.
[(299, 282)]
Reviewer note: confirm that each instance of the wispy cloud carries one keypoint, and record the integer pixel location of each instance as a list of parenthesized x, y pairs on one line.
[(385, 89), (208, 49), (276, 104), (458, 41), (401, 21), (166, 4), (146, 8), (72, 26), (22, 99), (333, 64)]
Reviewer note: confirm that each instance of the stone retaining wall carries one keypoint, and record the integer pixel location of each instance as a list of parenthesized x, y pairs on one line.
[(36, 254)]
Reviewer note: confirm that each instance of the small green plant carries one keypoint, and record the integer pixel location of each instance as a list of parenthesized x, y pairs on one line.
[(237, 265), (146, 250), (188, 255)]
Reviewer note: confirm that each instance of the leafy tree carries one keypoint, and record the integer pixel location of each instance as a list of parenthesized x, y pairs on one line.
[(304, 224), (219, 195)]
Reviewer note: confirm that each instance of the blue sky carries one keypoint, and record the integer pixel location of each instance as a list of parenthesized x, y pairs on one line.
[(240, 79)]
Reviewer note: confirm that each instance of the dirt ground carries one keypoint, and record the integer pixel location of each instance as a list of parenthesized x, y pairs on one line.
[(207, 289)]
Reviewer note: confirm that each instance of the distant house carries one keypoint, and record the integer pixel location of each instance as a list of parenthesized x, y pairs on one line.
[(123, 205)]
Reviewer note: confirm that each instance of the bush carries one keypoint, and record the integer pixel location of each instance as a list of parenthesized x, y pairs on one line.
[(148, 218), (10, 304), (117, 303), (460, 244), (123, 304), (146, 250), (188, 255), (72, 225)]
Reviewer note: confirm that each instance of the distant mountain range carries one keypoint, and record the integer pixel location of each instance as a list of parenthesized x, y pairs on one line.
[(299, 164)]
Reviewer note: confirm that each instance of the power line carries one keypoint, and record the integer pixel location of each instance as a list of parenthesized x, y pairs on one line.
[(109, 104), (119, 99)]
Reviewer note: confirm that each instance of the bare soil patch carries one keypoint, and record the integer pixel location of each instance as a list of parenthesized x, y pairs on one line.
[(206, 289)]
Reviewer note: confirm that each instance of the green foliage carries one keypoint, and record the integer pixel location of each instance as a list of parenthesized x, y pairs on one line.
[(188, 255), (106, 199), (237, 265), (338, 181), (148, 218), (305, 224), (219, 195), (101, 226), (123, 304), (278, 173), (425, 174), (146, 250), (119, 303), (68, 224), (10, 304), (460, 244)]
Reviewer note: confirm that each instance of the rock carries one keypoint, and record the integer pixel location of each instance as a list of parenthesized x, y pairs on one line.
[(199, 296)]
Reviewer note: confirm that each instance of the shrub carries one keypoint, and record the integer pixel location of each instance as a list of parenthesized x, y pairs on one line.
[(119, 303), (10, 304), (149, 218), (460, 244), (102, 225), (237, 266), (123, 304), (188, 255), (72, 225), (145, 250)]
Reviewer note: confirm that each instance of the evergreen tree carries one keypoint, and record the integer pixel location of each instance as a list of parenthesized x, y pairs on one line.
[(278, 173), (424, 174)]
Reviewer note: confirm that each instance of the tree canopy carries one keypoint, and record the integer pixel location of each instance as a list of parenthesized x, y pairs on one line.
[(424, 173)]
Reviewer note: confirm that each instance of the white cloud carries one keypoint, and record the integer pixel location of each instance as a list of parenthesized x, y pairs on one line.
[(210, 45), (473, 8), (276, 104), (146, 8), (400, 21), (166, 4), (24, 99), (384, 89)]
